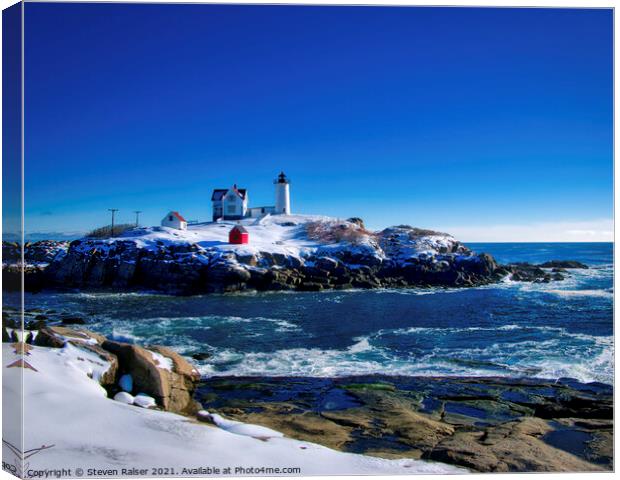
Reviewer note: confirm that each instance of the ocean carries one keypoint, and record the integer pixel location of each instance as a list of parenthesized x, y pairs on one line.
[(554, 330)]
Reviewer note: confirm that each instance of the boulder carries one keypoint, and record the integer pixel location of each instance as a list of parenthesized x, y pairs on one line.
[(47, 338), (201, 356), (108, 379), (172, 389), (327, 263)]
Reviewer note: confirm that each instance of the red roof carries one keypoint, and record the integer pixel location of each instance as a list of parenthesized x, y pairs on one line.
[(179, 216), (239, 228)]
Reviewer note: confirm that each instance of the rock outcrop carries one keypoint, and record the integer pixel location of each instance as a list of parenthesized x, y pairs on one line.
[(349, 257), (156, 371), (307, 254), (171, 386), (484, 424)]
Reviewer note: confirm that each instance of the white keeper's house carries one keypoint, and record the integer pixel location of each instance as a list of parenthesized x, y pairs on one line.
[(233, 204)]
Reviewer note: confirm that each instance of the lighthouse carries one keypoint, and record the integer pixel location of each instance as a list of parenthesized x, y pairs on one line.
[(283, 198)]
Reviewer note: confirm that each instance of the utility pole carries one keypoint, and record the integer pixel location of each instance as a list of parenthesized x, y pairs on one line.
[(137, 212), (113, 210)]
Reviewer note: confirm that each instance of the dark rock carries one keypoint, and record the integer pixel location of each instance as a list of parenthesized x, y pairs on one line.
[(201, 356), (247, 260), (563, 264), (47, 338), (383, 259), (524, 272), (73, 321)]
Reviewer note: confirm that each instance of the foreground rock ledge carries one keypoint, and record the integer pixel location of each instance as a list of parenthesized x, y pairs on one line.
[(485, 424)]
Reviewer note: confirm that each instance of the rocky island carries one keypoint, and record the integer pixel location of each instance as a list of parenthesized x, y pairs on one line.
[(285, 252)]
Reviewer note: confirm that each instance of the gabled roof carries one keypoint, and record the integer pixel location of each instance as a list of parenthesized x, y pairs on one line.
[(178, 215), (218, 193), (239, 228), (240, 192)]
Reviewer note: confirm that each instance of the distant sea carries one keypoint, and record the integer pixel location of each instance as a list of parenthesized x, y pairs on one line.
[(560, 329)]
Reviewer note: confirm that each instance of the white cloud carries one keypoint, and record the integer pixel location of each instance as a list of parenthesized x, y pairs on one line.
[(586, 231)]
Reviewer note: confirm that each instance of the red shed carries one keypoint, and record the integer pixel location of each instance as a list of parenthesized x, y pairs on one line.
[(238, 235)]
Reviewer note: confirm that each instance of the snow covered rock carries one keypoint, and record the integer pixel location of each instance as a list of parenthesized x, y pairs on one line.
[(172, 388), (124, 397), (143, 400), (239, 428), (285, 252)]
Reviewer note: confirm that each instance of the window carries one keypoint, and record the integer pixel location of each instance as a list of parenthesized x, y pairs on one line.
[(231, 209), (170, 218)]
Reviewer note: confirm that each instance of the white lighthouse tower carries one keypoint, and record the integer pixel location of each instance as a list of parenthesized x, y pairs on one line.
[(283, 198)]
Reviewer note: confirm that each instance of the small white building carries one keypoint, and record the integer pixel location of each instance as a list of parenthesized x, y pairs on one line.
[(174, 220), (256, 212)]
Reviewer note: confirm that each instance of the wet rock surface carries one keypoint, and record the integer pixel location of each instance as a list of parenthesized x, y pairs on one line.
[(485, 424)]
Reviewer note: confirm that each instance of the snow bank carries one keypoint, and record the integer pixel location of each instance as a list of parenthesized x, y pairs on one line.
[(283, 235), (67, 409)]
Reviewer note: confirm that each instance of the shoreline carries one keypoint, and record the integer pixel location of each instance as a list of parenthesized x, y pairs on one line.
[(483, 424), (463, 421), (287, 253)]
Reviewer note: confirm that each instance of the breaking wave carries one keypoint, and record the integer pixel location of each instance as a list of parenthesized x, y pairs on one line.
[(584, 357)]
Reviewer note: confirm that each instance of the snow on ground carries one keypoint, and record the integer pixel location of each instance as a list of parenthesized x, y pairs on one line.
[(66, 407), (284, 234)]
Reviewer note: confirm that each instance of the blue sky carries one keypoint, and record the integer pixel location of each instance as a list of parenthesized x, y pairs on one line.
[(494, 124)]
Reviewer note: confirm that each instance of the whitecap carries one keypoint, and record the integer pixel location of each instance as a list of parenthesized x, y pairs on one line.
[(362, 345), (582, 293)]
